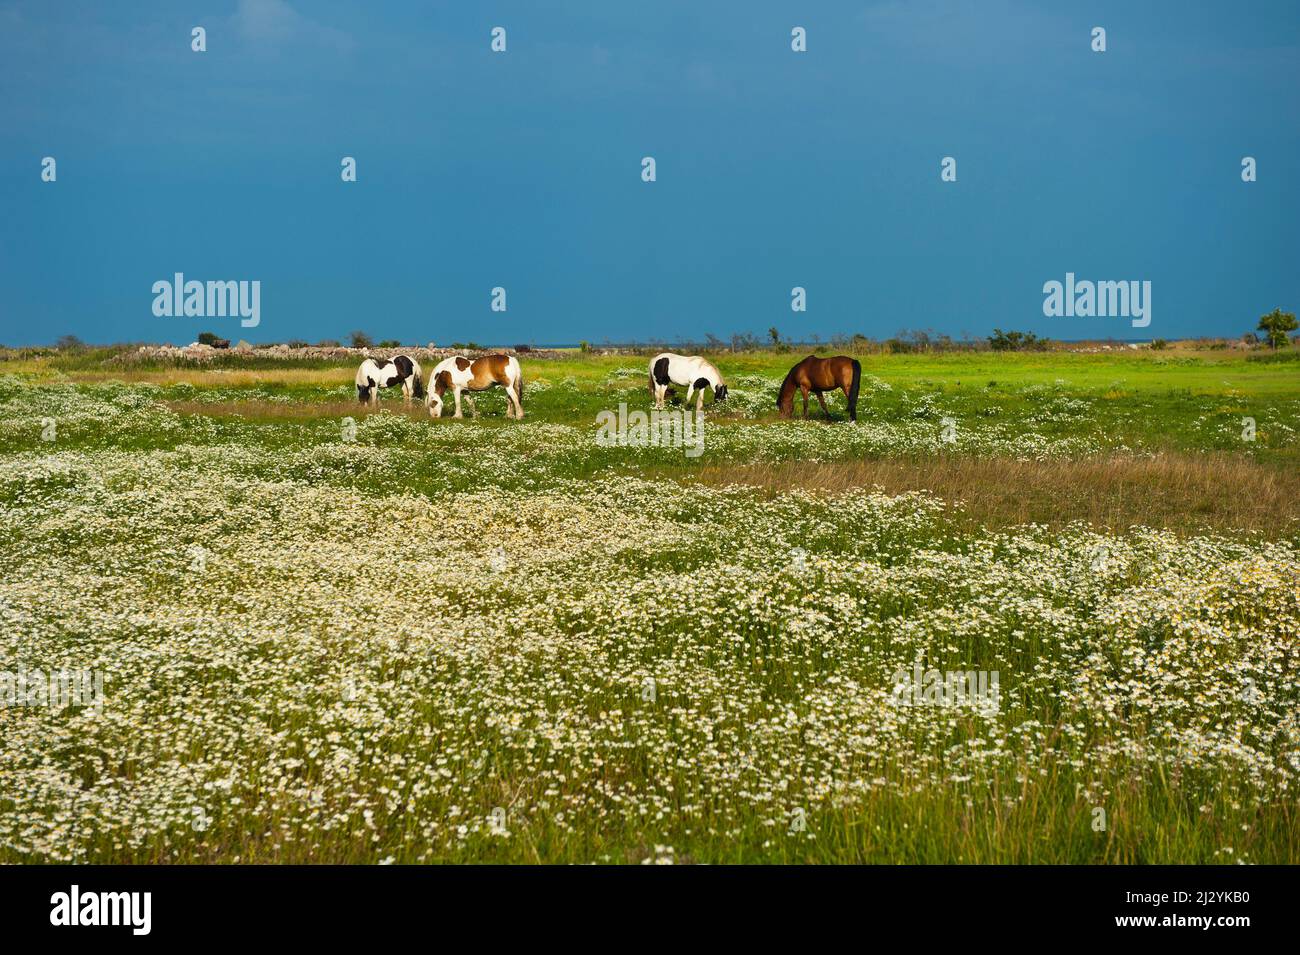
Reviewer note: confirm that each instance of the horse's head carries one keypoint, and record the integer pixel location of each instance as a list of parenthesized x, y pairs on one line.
[(363, 393), (785, 399), (720, 392), (441, 382)]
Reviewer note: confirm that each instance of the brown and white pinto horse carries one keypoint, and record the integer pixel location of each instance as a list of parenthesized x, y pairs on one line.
[(460, 374), (376, 373), (817, 375)]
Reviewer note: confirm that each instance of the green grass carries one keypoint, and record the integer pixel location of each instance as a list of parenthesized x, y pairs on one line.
[(351, 675)]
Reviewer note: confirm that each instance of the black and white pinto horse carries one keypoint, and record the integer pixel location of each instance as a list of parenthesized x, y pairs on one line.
[(376, 373), (697, 373)]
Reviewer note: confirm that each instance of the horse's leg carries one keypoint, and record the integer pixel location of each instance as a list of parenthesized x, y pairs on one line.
[(661, 394), (473, 410), (804, 390), (699, 402), (689, 392), (822, 402), (456, 392)]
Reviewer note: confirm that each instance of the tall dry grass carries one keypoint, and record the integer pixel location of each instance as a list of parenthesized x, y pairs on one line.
[(296, 410), (1183, 492)]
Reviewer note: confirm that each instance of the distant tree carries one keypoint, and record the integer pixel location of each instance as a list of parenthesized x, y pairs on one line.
[(1250, 339), (1275, 325), (1159, 344), (69, 343), (207, 338), (1015, 341), (775, 335), (912, 340), (360, 339), (1003, 341), (390, 343), (584, 346), (713, 343)]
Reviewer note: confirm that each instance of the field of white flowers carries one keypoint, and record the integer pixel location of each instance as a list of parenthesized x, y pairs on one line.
[(436, 643)]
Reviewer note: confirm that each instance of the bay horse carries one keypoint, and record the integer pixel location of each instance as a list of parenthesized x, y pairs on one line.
[(817, 375), (376, 373), (669, 369), (460, 374)]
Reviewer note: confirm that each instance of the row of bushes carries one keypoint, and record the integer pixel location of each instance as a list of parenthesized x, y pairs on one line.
[(1274, 325)]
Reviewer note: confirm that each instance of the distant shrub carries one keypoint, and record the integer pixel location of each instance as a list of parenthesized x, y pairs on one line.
[(360, 339), (207, 338), (390, 343), (1016, 341), (1159, 344)]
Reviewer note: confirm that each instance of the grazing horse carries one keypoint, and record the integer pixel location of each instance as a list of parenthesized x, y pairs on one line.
[(669, 369), (376, 373), (817, 375), (460, 374)]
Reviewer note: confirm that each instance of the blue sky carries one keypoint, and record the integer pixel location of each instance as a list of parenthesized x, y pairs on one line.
[(523, 170)]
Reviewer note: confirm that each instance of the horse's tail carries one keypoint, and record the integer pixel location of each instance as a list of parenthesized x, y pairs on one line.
[(418, 384), (515, 384), (853, 390)]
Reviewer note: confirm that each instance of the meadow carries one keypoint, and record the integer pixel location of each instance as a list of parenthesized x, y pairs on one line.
[(331, 635)]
